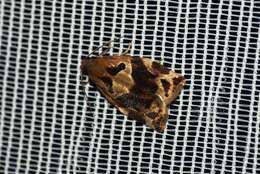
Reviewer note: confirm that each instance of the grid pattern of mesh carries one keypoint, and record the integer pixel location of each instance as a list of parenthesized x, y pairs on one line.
[(46, 125)]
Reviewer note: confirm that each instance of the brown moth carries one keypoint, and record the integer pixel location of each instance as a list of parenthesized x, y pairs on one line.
[(140, 88)]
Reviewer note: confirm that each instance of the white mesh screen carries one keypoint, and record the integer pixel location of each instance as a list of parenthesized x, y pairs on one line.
[(46, 126)]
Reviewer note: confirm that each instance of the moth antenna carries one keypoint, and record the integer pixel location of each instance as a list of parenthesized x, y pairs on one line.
[(101, 46), (107, 49), (128, 49)]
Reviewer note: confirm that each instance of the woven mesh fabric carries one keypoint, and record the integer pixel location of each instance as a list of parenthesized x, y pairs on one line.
[(47, 126)]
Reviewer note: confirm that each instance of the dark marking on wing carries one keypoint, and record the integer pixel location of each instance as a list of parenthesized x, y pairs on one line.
[(145, 88), (136, 116), (144, 79), (141, 70), (177, 80), (134, 101), (166, 86), (152, 115), (108, 82), (160, 68), (114, 70)]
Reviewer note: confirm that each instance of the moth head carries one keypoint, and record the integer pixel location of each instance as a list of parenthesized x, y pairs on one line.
[(84, 66)]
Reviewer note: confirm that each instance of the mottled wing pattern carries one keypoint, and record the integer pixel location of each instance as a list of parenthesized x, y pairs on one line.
[(140, 88)]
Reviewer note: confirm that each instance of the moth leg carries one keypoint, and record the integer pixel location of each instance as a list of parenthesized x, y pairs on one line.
[(83, 82), (128, 49)]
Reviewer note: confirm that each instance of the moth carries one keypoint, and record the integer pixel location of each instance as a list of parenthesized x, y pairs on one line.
[(140, 88)]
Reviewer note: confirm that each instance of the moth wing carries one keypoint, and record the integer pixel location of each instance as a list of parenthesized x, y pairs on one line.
[(148, 109), (139, 87), (169, 82), (111, 74)]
